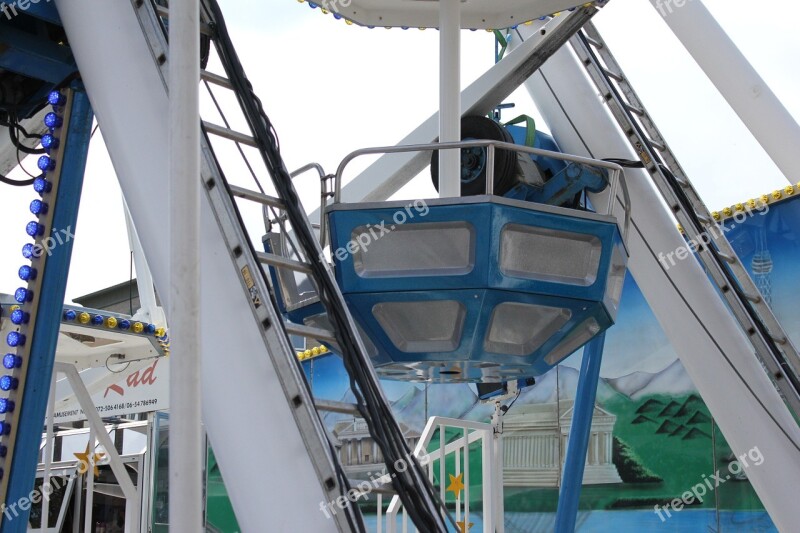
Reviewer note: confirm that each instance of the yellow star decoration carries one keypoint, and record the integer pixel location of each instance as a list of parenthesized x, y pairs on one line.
[(456, 484), (83, 461), (463, 527)]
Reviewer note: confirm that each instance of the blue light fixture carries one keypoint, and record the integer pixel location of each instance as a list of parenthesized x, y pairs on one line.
[(27, 273), (97, 320), (8, 383), (28, 249), (41, 185), (6, 405), (19, 317), (34, 229), (15, 338), (124, 324), (39, 207), (23, 295), (70, 315), (55, 99), (11, 361), (53, 121), (46, 163), (50, 141)]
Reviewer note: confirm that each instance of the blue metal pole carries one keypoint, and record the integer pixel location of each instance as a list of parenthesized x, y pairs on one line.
[(48, 321), (579, 432)]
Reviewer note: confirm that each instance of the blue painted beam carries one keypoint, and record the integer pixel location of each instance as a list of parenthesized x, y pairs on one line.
[(579, 432), (40, 9), (48, 319), (33, 56)]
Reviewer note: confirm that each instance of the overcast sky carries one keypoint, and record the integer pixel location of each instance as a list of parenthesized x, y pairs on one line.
[(330, 88)]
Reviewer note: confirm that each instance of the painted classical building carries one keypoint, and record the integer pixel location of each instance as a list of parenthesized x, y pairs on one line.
[(358, 452), (535, 442)]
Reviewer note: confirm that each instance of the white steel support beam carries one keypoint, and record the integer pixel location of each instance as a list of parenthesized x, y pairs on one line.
[(186, 434), (449, 96), (98, 431), (710, 344), (736, 79), (148, 307)]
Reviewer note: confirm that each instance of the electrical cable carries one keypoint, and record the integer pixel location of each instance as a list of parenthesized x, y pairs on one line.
[(408, 478), (15, 183)]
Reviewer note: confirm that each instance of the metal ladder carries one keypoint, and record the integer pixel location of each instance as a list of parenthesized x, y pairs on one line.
[(251, 265), (770, 342)]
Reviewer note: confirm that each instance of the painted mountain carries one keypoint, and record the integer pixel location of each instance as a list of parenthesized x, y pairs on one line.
[(672, 381)]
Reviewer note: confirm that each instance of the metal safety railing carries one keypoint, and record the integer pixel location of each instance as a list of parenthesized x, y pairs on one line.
[(468, 435), (616, 177)]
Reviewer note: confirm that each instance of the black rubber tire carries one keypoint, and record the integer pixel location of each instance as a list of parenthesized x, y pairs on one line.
[(506, 167)]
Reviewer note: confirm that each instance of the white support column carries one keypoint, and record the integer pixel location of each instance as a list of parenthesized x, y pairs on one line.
[(49, 446), (449, 96), (186, 437), (148, 308), (736, 79)]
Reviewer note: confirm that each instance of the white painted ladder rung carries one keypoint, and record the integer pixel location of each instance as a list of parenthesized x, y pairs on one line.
[(216, 79), (261, 198), (309, 332), (283, 262), (230, 134)]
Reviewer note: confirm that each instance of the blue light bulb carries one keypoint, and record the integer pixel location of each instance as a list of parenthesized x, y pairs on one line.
[(3, 450), (52, 121), (39, 207), (41, 185), (97, 320), (19, 317), (70, 315), (34, 229), (46, 163), (15, 338), (27, 273), (5, 428), (8, 383), (124, 324), (150, 329), (55, 98), (50, 141), (12, 361), (23, 295), (6, 405), (27, 250)]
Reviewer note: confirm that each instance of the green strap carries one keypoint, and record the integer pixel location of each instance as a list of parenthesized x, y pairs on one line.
[(530, 126)]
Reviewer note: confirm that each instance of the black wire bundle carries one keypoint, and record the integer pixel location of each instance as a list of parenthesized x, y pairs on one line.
[(14, 126), (411, 482)]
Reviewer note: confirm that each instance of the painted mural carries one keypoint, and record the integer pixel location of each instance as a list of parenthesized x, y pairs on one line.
[(653, 438)]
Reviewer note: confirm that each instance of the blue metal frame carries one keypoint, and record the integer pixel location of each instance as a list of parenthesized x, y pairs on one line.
[(579, 432), (54, 281)]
